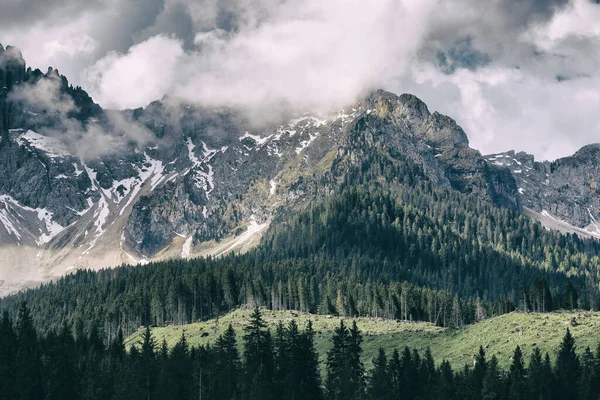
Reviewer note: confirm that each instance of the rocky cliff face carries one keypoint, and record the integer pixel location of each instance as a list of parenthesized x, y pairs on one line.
[(181, 180), (565, 190), (12, 67)]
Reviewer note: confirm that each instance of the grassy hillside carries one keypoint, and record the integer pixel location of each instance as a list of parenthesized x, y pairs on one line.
[(498, 335)]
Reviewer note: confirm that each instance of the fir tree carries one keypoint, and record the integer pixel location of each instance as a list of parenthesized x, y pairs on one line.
[(227, 368), (379, 387), (517, 377), (493, 384), (567, 368), (8, 343), (28, 362), (258, 360)]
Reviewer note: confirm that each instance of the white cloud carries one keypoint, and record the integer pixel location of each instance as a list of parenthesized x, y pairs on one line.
[(537, 90), (304, 55), (508, 109), (134, 79), (71, 47), (581, 18), (307, 55), (66, 47)]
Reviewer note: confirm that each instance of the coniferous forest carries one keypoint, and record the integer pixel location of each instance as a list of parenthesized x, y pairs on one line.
[(408, 252), (418, 254), (300, 231), (273, 365)]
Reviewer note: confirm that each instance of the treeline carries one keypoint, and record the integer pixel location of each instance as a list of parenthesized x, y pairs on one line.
[(283, 364), (440, 239), (418, 254), (179, 292)]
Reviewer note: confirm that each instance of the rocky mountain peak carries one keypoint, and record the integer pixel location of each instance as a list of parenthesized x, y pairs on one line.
[(12, 67), (587, 154), (562, 194), (207, 181), (416, 106), (437, 129)]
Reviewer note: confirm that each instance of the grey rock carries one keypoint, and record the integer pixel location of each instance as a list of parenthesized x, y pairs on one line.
[(567, 188)]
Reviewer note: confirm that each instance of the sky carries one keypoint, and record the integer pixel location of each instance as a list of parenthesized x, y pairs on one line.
[(515, 74)]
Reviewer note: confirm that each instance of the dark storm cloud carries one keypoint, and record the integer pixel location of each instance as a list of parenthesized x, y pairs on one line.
[(520, 13), (125, 26), (487, 31), (24, 12), (175, 20), (462, 55), (498, 67)]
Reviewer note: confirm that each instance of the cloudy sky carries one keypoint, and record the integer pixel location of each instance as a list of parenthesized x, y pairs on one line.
[(514, 73)]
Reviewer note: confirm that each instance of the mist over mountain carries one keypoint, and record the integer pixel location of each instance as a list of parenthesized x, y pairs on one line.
[(299, 199), (90, 188)]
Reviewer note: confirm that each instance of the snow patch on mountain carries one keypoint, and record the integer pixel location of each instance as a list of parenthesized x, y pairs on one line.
[(257, 139), (305, 143), (187, 247), (48, 229), (53, 148)]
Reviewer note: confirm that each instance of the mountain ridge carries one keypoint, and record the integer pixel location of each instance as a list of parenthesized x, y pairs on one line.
[(196, 178)]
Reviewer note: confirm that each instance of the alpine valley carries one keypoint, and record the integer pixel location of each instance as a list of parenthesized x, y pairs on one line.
[(87, 188)]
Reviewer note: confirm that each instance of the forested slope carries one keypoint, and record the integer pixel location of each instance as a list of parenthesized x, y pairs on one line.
[(411, 251)]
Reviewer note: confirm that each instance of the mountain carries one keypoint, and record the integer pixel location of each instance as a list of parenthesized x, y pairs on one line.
[(91, 188), (563, 194)]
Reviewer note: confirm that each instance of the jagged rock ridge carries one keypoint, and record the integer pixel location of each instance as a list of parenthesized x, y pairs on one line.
[(205, 181), (563, 194)]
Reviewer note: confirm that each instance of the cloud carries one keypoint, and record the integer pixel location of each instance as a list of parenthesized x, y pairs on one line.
[(303, 55), (514, 73), (22, 12), (462, 55), (44, 96), (52, 109), (130, 80)]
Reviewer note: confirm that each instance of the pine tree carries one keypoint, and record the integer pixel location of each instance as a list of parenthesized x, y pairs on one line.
[(493, 384), (379, 387), (395, 372), (227, 368), (338, 371), (259, 368), (567, 368), (117, 347), (283, 360), (409, 373), (428, 376), (147, 364), (357, 370), (446, 388), (8, 343), (538, 376), (62, 378), (586, 376), (517, 377), (309, 369), (294, 365), (595, 379), (479, 372), (178, 380), (28, 362)]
